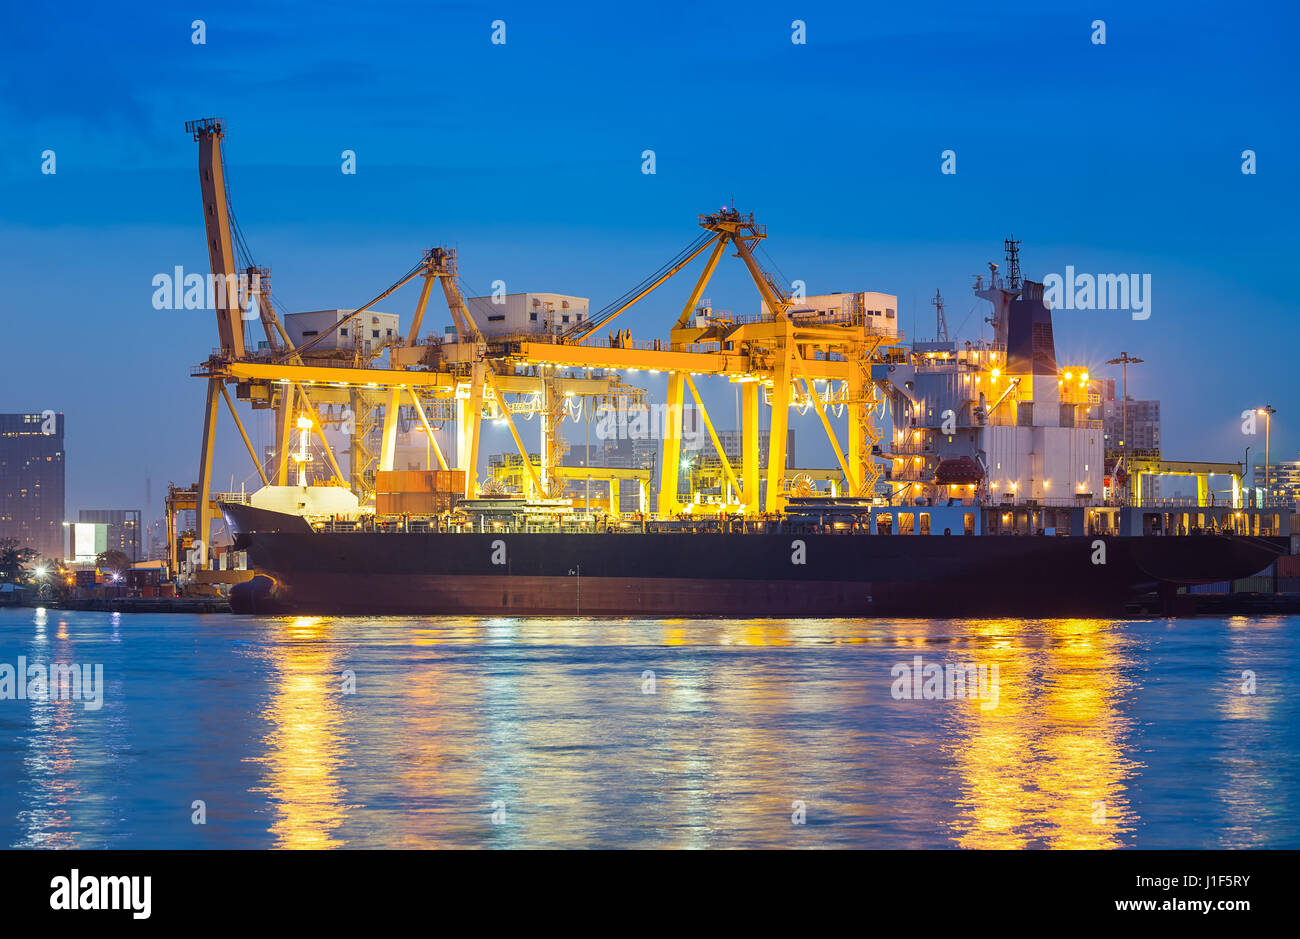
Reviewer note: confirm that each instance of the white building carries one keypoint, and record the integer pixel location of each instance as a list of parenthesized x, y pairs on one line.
[(516, 313), (367, 332), (879, 309)]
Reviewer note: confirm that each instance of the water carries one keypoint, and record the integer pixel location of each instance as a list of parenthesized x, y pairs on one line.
[(1103, 734)]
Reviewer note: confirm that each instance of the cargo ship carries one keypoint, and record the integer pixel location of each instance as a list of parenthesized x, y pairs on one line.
[(992, 492), (819, 561)]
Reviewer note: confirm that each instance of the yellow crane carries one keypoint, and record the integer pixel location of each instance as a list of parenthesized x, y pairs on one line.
[(781, 358)]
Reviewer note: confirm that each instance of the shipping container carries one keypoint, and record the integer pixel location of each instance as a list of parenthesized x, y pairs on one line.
[(398, 482), (404, 503), (395, 481), (415, 503)]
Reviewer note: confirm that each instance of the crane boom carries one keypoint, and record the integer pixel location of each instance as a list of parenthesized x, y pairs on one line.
[(216, 219)]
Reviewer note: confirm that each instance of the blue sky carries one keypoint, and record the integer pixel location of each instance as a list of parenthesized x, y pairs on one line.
[(527, 157)]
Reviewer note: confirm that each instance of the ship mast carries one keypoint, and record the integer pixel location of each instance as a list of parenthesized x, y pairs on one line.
[(940, 322)]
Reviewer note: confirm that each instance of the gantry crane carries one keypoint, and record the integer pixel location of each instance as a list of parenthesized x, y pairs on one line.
[(776, 352), (778, 358)]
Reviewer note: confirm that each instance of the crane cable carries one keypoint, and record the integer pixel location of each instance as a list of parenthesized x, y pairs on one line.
[(607, 312), (415, 269)]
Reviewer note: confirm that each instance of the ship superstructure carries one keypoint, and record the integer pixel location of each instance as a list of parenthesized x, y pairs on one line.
[(997, 422)]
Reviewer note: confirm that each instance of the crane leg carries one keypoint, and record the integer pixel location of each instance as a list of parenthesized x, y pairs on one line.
[(669, 499), (283, 434), (777, 429), (204, 511), (749, 467), (388, 447)]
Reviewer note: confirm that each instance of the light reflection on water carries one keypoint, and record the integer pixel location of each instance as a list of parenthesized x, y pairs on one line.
[(1046, 766), (304, 744), (1103, 734)]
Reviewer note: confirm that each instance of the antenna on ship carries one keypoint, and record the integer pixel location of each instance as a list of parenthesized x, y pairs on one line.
[(1013, 263), (940, 323)]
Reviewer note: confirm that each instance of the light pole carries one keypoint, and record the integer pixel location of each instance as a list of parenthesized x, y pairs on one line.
[(1245, 474), (1268, 411), (1124, 360)]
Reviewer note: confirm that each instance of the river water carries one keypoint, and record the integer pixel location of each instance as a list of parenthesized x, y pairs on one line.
[(224, 732)]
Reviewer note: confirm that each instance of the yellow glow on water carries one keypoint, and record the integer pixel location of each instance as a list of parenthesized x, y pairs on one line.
[(675, 636), (305, 741), (1045, 766), (1084, 771)]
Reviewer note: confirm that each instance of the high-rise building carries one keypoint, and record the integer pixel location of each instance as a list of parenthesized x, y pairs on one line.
[(156, 540), (731, 444), (32, 481), (1281, 479), (1143, 421), (123, 529)]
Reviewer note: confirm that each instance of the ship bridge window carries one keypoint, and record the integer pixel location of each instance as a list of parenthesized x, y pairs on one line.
[(968, 523), (884, 525), (925, 523), (906, 523)]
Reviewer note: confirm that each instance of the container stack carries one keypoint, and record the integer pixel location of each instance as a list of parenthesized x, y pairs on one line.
[(417, 492)]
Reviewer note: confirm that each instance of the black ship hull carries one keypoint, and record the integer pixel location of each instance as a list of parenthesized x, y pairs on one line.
[(785, 574)]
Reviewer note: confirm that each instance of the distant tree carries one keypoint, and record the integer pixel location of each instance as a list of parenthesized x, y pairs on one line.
[(13, 557), (113, 561)]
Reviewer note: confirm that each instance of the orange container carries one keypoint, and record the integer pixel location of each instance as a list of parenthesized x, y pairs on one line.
[(406, 503), (404, 481), (1288, 565)]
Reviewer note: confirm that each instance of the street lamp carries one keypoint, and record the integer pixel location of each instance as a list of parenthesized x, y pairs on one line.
[(1268, 411)]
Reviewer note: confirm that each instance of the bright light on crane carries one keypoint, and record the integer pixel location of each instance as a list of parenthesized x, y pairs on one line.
[(303, 456)]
